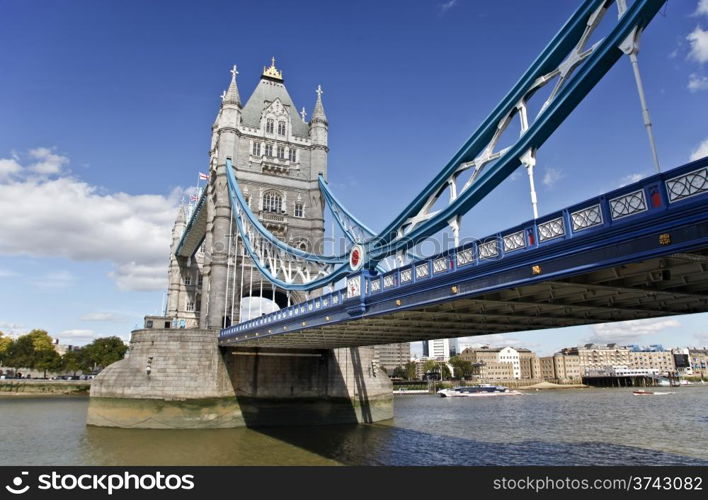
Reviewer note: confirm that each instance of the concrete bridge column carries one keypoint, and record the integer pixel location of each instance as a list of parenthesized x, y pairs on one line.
[(219, 246)]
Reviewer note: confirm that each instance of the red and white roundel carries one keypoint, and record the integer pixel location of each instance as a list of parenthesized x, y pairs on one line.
[(356, 257)]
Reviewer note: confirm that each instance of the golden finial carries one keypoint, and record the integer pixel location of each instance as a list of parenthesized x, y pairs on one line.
[(272, 71)]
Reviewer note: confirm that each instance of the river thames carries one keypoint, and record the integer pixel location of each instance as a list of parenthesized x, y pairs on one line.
[(564, 427)]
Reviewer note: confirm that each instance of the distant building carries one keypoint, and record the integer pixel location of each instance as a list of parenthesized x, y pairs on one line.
[(389, 356), (663, 361), (502, 363), (438, 349), (62, 349), (563, 366), (682, 361), (596, 355), (698, 359), (529, 363)]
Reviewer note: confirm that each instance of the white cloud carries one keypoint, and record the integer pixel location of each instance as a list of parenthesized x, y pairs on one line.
[(629, 179), (702, 8), (551, 176), (54, 279), (46, 162), (11, 328), (444, 7), (8, 168), (700, 151), (697, 82), (104, 316), (698, 39), (492, 340), (77, 335), (85, 336), (702, 338), (64, 217), (629, 331), (7, 273)]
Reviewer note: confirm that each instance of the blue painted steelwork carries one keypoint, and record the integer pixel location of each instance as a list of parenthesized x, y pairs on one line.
[(591, 71), (242, 214), (676, 198)]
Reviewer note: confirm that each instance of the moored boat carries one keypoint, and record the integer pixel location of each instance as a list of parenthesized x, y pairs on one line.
[(482, 390)]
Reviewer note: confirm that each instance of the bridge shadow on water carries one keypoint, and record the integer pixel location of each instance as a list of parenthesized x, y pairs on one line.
[(384, 444)]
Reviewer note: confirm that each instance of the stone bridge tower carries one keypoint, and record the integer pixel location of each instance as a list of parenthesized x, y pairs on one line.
[(277, 157)]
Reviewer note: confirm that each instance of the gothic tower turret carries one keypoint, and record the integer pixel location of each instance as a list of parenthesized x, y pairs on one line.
[(175, 278), (318, 135), (277, 157)]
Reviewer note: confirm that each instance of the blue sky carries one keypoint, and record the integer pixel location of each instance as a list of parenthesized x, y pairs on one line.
[(106, 108)]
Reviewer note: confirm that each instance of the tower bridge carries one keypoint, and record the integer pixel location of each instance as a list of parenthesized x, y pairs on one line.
[(256, 229)]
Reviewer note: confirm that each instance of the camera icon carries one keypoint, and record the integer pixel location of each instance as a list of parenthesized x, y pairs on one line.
[(16, 488)]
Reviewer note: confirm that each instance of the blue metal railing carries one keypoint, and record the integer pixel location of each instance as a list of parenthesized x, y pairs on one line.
[(631, 204)]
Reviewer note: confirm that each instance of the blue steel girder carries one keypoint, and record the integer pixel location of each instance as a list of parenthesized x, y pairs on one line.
[(660, 216), (564, 54), (274, 258)]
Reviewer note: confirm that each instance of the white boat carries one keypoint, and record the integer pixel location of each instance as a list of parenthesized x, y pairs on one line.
[(650, 393), (482, 390)]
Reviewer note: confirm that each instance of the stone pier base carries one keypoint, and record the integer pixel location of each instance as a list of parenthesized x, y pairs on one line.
[(194, 384)]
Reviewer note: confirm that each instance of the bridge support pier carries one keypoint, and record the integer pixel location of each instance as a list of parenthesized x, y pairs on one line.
[(192, 383)]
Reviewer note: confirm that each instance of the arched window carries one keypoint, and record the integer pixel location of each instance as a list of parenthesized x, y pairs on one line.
[(272, 202), (281, 128), (269, 150), (256, 149), (292, 154), (269, 125), (281, 152), (299, 210)]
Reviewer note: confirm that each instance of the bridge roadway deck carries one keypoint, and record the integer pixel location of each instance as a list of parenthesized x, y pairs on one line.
[(630, 263)]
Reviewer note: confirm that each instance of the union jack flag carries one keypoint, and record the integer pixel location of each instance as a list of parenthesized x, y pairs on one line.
[(194, 197), (203, 177)]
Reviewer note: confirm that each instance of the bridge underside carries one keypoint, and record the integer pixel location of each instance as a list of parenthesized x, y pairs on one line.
[(674, 284)]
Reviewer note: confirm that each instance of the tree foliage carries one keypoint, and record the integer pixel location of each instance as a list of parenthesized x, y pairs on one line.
[(463, 368), (36, 351), (102, 352), (410, 370), (4, 345)]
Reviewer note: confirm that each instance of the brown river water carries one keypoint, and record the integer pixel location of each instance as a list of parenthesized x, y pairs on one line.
[(563, 427)]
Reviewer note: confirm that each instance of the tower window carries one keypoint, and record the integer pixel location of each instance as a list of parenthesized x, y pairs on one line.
[(187, 280), (272, 202), (292, 154), (256, 149), (281, 152), (269, 150), (281, 128), (269, 125), (299, 210), (190, 305)]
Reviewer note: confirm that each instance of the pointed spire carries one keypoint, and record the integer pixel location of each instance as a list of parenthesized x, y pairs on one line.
[(318, 113), (181, 216), (231, 95)]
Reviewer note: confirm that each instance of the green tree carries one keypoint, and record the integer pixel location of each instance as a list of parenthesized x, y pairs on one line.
[(72, 361), (20, 353), (411, 372), (5, 343), (399, 372), (463, 368), (102, 352), (34, 350), (47, 360)]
